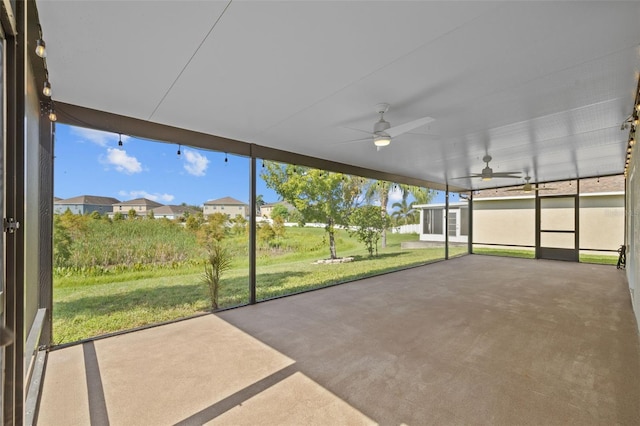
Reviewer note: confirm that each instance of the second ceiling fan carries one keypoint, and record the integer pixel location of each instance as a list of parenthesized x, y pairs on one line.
[(528, 187), (488, 173)]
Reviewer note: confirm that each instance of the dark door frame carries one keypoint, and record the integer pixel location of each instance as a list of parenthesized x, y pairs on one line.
[(552, 253)]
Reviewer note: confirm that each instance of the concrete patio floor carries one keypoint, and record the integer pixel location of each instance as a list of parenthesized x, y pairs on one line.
[(474, 340)]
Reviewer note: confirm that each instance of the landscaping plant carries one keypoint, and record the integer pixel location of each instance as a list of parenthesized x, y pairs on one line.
[(219, 261)]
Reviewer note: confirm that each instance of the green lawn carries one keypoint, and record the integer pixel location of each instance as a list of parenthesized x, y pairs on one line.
[(94, 305), (601, 259)]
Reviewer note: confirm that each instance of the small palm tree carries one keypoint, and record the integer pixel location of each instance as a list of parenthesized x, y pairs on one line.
[(219, 261)]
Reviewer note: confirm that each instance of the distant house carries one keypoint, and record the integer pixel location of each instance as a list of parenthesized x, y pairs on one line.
[(227, 205), (172, 211), (84, 204), (140, 205), (266, 210)]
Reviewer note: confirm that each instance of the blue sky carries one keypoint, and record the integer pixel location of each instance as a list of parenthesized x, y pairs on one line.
[(90, 162)]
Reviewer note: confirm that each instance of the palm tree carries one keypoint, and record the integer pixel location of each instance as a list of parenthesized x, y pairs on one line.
[(259, 202), (380, 191), (404, 211)]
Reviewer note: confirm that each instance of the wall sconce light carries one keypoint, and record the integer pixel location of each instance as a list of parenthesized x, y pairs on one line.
[(52, 114), (41, 47)]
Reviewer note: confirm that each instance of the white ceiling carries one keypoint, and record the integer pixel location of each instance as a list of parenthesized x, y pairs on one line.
[(543, 87)]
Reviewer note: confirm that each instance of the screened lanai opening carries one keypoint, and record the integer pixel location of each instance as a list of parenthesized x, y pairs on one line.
[(160, 231), (575, 220), (135, 222)]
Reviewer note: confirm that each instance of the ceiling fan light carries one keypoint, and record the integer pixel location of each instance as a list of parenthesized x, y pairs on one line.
[(381, 141), (486, 178)]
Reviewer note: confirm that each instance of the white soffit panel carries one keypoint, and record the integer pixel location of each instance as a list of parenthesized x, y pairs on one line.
[(541, 86)]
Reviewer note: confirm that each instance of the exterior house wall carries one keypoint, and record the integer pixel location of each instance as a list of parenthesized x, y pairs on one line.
[(601, 222), (504, 222), (512, 222), (229, 210), (82, 208), (632, 237), (265, 211)]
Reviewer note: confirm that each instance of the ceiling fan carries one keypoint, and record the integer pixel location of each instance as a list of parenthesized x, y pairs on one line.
[(488, 173), (528, 186), (383, 133)]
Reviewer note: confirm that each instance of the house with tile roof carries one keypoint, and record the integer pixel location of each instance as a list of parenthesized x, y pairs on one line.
[(84, 204), (227, 205), (140, 205)]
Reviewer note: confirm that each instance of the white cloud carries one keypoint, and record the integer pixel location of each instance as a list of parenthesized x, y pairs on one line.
[(98, 137), (195, 163), (395, 194), (122, 162), (167, 198)]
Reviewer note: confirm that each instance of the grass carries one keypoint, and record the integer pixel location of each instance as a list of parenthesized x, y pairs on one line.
[(601, 259), (94, 305), (528, 254)]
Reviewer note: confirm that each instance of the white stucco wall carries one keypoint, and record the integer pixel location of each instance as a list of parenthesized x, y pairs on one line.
[(510, 221)]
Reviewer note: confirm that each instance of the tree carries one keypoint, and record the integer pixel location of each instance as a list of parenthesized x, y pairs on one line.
[(212, 232), (368, 225), (192, 224), (151, 215), (118, 216), (278, 226), (280, 211), (404, 211), (238, 225), (95, 215), (266, 233), (131, 214), (259, 202), (421, 195), (380, 190), (61, 242), (319, 196)]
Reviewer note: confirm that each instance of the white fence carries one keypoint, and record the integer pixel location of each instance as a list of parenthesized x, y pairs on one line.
[(406, 229)]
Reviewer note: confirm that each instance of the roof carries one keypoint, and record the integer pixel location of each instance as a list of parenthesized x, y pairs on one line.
[(139, 202), (173, 210), (95, 200), (225, 201)]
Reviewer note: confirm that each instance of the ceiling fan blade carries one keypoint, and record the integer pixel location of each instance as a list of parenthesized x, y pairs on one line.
[(359, 130), (468, 177), (354, 141), (506, 174), (404, 128), (500, 176)]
